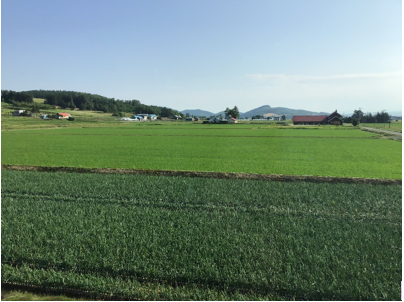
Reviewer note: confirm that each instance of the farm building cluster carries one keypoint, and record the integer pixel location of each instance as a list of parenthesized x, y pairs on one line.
[(272, 117), (140, 117), (59, 115)]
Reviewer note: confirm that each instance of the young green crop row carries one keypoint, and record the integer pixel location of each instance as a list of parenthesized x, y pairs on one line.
[(268, 239), (208, 130), (341, 157)]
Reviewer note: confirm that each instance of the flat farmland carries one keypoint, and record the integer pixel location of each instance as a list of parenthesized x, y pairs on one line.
[(175, 238), (139, 237), (245, 148)]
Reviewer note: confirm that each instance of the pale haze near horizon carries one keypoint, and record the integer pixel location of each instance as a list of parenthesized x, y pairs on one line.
[(310, 54)]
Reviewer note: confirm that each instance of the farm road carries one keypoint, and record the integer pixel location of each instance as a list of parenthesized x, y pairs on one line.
[(383, 131)]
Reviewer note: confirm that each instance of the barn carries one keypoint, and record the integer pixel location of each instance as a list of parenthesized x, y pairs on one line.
[(333, 119)]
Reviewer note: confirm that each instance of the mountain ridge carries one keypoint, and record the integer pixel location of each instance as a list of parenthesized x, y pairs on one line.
[(258, 111)]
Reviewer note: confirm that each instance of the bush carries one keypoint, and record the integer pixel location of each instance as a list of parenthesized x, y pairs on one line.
[(70, 118), (355, 122)]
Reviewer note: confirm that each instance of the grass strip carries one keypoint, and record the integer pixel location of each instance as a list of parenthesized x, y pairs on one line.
[(117, 289)]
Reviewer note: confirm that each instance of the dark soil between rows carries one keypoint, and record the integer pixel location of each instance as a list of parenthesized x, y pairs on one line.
[(201, 174)]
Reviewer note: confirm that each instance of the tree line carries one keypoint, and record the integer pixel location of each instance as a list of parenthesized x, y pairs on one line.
[(359, 117), (85, 101), (9, 96)]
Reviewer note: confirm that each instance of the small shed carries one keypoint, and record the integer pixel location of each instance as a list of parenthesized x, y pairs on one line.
[(232, 120), (189, 119), (18, 112)]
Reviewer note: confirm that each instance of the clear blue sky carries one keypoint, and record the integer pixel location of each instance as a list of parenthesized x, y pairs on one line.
[(318, 55)]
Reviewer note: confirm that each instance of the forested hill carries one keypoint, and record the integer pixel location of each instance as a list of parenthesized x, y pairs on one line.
[(88, 101)]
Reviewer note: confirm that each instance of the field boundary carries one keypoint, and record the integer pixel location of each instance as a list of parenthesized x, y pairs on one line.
[(202, 135), (71, 293), (207, 174)]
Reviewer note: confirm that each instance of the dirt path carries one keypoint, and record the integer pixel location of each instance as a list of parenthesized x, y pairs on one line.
[(383, 131)]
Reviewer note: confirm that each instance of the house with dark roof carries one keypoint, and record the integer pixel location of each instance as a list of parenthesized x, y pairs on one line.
[(333, 119)]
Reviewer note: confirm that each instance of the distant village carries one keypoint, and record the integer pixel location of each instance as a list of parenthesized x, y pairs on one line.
[(333, 119)]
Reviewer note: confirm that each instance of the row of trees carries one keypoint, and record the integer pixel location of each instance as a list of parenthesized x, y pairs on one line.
[(9, 96), (359, 117), (85, 101)]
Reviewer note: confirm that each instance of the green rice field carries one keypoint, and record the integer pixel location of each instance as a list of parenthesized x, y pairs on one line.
[(241, 130), (246, 148), (175, 238), (139, 237)]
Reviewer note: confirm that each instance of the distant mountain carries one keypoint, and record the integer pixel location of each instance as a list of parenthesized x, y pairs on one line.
[(257, 111), (197, 112), (289, 113)]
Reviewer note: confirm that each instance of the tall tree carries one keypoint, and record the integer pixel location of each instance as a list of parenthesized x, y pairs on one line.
[(357, 114), (382, 117), (232, 112)]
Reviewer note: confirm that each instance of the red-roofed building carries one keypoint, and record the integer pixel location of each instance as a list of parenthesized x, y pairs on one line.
[(62, 115), (333, 119), (232, 120)]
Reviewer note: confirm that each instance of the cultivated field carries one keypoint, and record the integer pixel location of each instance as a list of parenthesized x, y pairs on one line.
[(178, 238), (341, 153), (145, 237)]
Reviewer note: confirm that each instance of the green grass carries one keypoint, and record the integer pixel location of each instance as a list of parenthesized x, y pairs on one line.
[(394, 126), (38, 100), (221, 150), (138, 236)]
